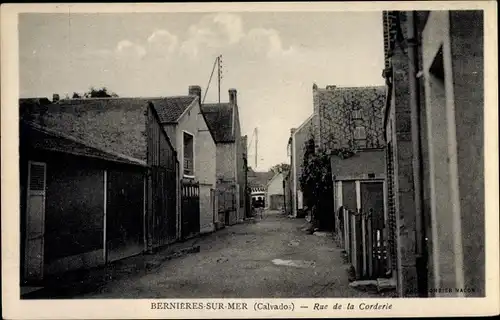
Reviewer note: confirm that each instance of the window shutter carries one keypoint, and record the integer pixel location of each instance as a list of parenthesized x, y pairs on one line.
[(37, 177)]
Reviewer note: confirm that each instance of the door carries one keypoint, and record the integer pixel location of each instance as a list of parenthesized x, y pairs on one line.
[(35, 221)]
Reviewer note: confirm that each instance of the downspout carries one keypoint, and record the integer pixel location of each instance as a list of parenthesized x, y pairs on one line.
[(421, 255)]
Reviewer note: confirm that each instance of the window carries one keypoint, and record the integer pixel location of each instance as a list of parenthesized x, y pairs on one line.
[(360, 133), (356, 114), (188, 147), (360, 137)]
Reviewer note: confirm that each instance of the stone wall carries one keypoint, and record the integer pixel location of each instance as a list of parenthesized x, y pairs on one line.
[(350, 117)]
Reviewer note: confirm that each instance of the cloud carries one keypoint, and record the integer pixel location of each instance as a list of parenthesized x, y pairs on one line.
[(225, 30), (213, 31), (129, 49), (266, 41), (163, 41)]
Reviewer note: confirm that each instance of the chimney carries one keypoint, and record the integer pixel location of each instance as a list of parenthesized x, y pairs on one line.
[(55, 97), (195, 91), (233, 97)]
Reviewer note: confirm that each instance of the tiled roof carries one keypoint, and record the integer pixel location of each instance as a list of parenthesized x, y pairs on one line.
[(219, 117), (112, 124), (42, 138), (258, 179), (169, 109)]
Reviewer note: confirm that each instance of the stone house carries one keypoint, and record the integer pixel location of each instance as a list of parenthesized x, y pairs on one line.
[(186, 126), (295, 150), (88, 193), (231, 167), (257, 183), (434, 70), (348, 124)]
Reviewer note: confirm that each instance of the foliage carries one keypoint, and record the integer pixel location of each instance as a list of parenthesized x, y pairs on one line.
[(315, 180), (279, 168), (95, 93)]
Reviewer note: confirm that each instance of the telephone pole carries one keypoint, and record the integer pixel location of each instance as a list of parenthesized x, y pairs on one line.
[(256, 145), (219, 77)]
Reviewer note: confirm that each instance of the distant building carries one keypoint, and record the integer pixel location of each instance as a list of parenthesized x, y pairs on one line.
[(295, 151), (257, 182), (224, 122), (275, 196)]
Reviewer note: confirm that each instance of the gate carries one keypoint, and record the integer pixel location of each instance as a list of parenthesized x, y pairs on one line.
[(190, 209), (124, 213), (364, 239), (164, 206), (226, 205)]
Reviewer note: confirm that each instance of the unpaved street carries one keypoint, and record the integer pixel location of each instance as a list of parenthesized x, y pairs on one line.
[(267, 258)]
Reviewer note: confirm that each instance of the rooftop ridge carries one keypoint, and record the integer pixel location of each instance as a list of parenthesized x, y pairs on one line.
[(84, 143), (122, 98)]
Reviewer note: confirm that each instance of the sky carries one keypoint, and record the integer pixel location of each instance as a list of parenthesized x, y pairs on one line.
[(272, 59)]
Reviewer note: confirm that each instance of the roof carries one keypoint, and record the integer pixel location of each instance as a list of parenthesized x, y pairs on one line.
[(277, 174), (51, 140), (259, 179), (219, 118), (170, 109), (112, 124)]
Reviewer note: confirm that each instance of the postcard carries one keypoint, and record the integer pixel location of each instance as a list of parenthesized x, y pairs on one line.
[(249, 160)]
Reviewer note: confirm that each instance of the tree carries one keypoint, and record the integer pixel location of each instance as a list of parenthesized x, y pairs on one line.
[(100, 93), (316, 183), (279, 168), (76, 95)]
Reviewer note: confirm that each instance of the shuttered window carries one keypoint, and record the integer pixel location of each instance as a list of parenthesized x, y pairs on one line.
[(37, 177)]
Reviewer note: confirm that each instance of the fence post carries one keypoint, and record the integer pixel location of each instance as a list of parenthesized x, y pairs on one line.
[(369, 244), (363, 244), (354, 257), (346, 230)]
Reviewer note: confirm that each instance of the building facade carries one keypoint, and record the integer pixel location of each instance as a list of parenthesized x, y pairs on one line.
[(296, 144), (185, 124), (231, 169), (275, 196), (435, 163), (347, 124), (88, 190)]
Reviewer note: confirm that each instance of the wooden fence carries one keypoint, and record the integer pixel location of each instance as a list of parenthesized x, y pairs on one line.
[(164, 206), (363, 239)]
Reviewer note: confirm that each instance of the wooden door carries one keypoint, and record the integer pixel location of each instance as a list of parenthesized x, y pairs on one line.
[(35, 221)]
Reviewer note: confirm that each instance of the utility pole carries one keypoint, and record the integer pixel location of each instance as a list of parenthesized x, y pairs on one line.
[(256, 145), (219, 68)]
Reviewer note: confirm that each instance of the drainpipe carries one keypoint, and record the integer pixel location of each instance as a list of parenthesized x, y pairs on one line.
[(421, 254)]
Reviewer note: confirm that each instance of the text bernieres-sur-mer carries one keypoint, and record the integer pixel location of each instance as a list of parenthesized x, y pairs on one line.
[(199, 306)]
